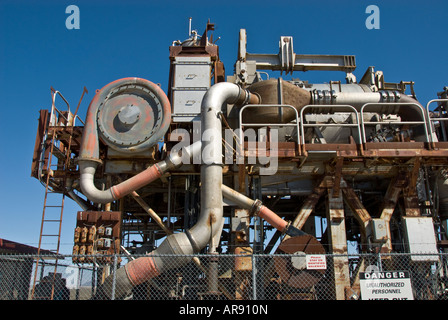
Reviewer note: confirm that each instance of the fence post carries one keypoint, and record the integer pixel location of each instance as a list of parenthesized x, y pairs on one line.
[(254, 278), (380, 263), (114, 278)]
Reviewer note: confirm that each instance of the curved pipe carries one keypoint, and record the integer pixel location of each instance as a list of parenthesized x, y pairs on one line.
[(87, 170), (88, 159), (210, 219), (209, 224)]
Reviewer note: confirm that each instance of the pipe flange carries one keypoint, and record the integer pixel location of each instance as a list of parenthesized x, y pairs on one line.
[(246, 100), (98, 161), (287, 227), (256, 207)]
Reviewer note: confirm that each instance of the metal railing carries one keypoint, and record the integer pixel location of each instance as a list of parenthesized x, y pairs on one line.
[(351, 109), (431, 121), (423, 121), (240, 277), (280, 124), (359, 122), (55, 120)]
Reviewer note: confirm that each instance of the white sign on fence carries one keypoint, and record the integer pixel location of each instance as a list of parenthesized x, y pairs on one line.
[(388, 285), (316, 262)]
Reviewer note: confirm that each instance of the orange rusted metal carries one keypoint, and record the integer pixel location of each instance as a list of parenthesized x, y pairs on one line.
[(136, 182), (272, 218), (141, 270)]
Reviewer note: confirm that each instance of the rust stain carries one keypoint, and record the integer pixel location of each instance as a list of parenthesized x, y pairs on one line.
[(342, 250), (212, 218)]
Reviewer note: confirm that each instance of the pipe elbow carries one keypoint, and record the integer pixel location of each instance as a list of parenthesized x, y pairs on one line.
[(226, 92), (87, 170)]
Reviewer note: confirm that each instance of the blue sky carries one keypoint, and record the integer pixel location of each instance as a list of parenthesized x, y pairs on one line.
[(130, 38)]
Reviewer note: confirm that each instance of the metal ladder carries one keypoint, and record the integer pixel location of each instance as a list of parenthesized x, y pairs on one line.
[(51, 224)]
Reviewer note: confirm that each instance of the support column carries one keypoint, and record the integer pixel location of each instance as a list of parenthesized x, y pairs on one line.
[(338, 240), (411, 204), (240, 246)]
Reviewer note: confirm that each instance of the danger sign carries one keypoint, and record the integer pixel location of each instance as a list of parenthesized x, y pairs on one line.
[(316, 262), (389, 285)]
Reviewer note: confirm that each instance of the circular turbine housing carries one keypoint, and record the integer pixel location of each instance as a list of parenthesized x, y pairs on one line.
[(134, 115)]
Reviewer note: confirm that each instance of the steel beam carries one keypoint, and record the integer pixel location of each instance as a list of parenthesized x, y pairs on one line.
[(337, 233)]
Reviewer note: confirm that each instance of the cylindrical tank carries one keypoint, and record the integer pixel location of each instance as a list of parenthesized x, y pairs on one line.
[(278, 91), (320, 99)]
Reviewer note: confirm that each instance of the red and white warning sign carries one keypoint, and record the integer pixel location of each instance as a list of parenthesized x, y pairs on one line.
[(316, 262)]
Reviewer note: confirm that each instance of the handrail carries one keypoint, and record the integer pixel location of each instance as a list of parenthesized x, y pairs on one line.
[(74, 119), (430, 120), (360, 124), (424, 122), (242, 124), (353, 110), (53, 106)]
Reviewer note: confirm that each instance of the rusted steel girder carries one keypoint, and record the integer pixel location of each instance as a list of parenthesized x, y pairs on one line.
[(309, 204), (360, 212), (337, 232)]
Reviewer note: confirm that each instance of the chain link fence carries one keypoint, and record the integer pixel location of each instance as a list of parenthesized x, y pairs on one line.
[(230, 277)]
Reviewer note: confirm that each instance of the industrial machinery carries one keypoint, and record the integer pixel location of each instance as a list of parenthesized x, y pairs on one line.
[(251, 164)]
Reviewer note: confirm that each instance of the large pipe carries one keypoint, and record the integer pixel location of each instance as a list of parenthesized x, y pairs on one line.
[(257, 208), (87, 170), (210, 219), (386, 99), (209, 224), (89, 159), (355, 95)]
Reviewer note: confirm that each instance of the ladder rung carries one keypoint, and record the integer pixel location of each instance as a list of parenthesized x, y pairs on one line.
[(53, 206), (50, 235), (52, 220)]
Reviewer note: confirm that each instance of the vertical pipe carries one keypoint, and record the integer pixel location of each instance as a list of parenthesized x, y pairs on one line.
[(114, 282), (211, 215), (189, 27), (213, 274), (280, 99), (210, 220), (254, 277)]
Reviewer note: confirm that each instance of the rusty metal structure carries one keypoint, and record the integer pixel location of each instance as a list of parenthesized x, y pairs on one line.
[(249, 164)]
